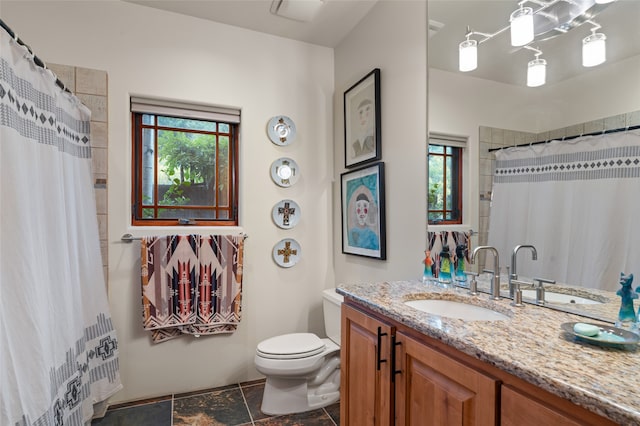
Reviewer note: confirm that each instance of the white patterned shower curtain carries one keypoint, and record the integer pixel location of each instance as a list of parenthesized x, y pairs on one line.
[(577, 202), (58, 348)]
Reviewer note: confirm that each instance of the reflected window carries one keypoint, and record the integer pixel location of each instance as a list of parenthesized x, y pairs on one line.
[(444, 181)]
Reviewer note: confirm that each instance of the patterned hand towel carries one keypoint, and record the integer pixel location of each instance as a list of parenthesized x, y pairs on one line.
[(191, 284)]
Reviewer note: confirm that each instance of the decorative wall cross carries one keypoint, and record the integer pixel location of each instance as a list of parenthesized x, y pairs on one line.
[(286, 252), (286, 212)]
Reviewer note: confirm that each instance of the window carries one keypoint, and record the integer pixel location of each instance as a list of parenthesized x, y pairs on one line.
[(445, 179), (185, 163)]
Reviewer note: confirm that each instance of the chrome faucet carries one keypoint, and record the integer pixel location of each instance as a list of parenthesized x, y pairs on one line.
[(514, 272), (495, 284)]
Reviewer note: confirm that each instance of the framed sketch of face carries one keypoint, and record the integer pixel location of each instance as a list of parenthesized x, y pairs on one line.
[(363, 213), (362, 121)]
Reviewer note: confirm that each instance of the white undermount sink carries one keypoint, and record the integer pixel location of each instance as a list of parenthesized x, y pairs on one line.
[(560, 298), (453, 309)]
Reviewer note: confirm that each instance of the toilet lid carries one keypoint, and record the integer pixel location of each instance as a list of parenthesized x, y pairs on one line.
[(295, 345)]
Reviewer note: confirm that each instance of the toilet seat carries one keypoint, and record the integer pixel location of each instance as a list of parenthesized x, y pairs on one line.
[(291, 346)]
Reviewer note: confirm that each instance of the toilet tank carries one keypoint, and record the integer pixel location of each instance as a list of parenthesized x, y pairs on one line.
[(331, 305)]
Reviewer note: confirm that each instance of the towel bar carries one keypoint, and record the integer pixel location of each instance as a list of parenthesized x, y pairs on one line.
[(128, 238)]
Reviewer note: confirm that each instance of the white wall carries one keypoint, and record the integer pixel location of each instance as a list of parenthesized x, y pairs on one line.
[(155, 53), (391, 37)]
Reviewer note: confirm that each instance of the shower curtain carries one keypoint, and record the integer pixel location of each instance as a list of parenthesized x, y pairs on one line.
[(577, 202), (58, 348)]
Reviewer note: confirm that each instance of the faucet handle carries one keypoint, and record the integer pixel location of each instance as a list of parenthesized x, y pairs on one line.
[(473, 284), (517, 293), (543, 280)]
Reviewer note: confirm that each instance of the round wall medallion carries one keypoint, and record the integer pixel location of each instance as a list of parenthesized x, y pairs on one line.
[(286, 214), (287, 252), (284, 172), (281, 130)]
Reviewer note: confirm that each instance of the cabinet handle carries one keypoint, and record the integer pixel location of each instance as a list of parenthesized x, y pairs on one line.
[(393, 358), (379, 349)]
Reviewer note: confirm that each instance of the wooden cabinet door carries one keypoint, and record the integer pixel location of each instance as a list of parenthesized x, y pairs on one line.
[(521, 409), (433, 389), (366, 390)]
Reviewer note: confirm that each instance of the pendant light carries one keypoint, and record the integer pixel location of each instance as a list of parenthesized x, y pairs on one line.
[(468, 55), (594, 49), (522, 26), (536, 70)]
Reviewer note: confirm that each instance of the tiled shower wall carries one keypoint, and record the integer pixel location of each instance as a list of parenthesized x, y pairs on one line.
[(90, 86), (491, 137)]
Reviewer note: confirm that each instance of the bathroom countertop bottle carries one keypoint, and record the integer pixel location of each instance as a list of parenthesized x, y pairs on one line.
[(626, 315)]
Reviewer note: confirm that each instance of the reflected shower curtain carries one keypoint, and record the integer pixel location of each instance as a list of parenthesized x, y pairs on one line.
[(58, 348), (577, 202)]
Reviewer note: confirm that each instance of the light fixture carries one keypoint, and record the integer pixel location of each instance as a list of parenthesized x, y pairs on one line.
[(521, 26), (298, 10), (594, 48), (544, 21), (468, 55)]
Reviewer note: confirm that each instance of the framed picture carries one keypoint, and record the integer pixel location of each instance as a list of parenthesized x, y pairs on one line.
[(363, 217), (362, 121)]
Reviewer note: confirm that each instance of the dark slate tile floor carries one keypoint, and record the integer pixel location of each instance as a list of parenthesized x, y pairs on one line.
[(234, 405)]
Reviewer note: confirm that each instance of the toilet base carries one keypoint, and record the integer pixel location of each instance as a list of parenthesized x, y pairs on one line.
[(287, 396)]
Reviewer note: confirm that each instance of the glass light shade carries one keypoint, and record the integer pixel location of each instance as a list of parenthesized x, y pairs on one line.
[(522, 26), (468, 55), (594, 50), (536, 72), (285, 172)]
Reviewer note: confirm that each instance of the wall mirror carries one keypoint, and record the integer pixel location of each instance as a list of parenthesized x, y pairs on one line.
[(493, 105)]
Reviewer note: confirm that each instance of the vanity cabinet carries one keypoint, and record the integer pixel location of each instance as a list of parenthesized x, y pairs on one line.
[(394, 375), (390, 378), (366, 389)]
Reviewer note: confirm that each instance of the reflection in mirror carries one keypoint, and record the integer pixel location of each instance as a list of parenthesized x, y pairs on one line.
[(493, 106)]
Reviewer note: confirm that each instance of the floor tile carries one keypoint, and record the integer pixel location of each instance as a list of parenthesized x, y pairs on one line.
[(309, 418), (225, 407), (253, 396), (155, 414), (334, 411)]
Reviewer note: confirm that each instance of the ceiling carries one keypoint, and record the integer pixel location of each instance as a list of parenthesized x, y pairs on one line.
[(334, 20), (497, 60)]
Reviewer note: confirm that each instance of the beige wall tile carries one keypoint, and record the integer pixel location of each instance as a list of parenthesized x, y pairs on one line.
[(66, 74), (99, 161), (575, 130), (104, 249), (594, 126), (557, 134), (102, 226), (101, 200), (497, 138), (633, 118), (509, 138), (485, 134), (99, 134), (97, 105), (615, 122), (92, 82)]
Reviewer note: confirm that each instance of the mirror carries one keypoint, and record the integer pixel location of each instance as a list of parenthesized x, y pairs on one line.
[(493, 106)]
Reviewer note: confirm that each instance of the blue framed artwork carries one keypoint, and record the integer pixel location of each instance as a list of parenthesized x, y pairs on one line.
[(363, 214)]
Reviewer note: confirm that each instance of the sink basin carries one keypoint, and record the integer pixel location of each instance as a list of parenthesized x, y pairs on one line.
[(453, 309), (560, 298)]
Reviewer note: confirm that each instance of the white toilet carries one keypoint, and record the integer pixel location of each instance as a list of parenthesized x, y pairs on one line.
[(302, 370)]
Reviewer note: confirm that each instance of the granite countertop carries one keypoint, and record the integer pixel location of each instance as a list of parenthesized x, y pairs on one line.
[(529, 345)]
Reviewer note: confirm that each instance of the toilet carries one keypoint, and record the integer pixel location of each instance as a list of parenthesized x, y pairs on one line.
[(302, 370)]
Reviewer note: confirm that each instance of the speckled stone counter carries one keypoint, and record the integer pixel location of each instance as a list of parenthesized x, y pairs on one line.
[(529, 345)]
